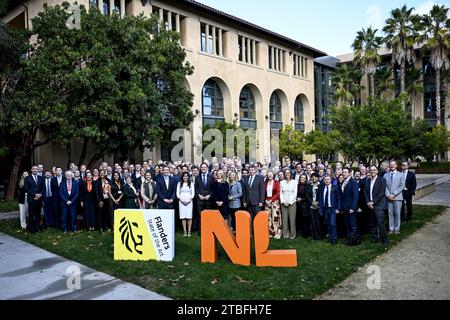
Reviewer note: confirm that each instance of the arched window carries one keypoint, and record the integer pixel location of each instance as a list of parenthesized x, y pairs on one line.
[(247, 109), (299, 115), (212, 103), (276, 121)]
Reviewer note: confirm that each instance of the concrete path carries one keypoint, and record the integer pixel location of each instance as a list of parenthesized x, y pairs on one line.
[(30, 273), (417, 269)]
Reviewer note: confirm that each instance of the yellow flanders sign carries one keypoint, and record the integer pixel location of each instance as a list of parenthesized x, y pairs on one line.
[(143, 235)]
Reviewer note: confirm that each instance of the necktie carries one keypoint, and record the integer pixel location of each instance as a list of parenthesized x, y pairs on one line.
[(35, 178), (49, 191), (204, 180), (344, 185), (69, 186), (167, 183), (251, 182), (392, 177), (327, 203)]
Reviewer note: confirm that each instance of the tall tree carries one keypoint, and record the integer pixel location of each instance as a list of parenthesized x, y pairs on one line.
[(435, 34), (401, 36), (384, 81), (115, 82), (366, 47)]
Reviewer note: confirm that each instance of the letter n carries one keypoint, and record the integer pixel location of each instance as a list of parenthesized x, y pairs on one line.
[(270, 258), (214, 226)]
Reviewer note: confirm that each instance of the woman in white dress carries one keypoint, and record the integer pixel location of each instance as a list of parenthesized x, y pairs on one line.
[(186, 194)]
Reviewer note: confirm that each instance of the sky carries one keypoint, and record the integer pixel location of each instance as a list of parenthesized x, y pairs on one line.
[(327, 25)]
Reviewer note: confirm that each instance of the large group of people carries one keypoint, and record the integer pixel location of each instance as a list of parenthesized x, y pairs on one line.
[(311, 199)]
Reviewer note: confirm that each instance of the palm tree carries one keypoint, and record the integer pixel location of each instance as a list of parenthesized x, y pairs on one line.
[(347, 81), (413, 85), (366, 47), (435, 35), (401, 35), (384, 80)]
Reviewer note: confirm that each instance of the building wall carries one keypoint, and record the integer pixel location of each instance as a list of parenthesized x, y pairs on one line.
[(230, 74)]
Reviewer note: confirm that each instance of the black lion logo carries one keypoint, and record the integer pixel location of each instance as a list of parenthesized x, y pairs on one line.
[(127, 235)]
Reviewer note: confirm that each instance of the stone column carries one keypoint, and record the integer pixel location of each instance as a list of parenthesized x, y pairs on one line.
[(169, 19), (122, 8), (214, 49), (207, 38), (178, 26), (111, 7), (220, 43)]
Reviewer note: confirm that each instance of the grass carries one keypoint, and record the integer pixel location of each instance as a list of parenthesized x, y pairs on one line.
[(9, 206), (321, 266), (434, 168)]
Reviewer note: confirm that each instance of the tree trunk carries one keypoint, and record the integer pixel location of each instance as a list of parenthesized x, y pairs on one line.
[(95, 157), (11, 191), (83, 152), (372, 85), (438, 96), (402, 77)]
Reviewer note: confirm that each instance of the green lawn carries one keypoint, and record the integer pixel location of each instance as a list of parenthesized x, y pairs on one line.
[(321, 266)]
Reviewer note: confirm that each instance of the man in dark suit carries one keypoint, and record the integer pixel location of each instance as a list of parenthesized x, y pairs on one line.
[(349, 206), (203, 194), (56, 182), (254, 192), (166, 190), (409, 192), (329, 204), (48, 201), (69, 191), (35, 188), (375, 194)]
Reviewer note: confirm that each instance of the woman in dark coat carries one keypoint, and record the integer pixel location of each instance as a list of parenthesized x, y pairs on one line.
[(88, 201), (130, 194), (305, 220), (221, 191)]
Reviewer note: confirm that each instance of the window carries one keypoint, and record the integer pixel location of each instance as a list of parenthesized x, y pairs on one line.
[(212, 103), (212, 39), (106, 8), (247, 50), (300, 66), (116, 7), (93, 3), (247, 108), (275, 112), (299, 115), (171, 20), (276, 59)]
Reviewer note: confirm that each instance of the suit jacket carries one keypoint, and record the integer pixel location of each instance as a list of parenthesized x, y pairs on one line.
[(201, 189), (166, 193), (257, 193), (378, 193), (32, 188), (362, 204), (98, 189), (335, 199), (396, 186), (411, 183), (64, 194), (350, 196), (55, 186), (85, 195)]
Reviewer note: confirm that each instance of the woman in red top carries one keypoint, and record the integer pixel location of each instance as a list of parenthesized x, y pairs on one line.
[(273, 206)]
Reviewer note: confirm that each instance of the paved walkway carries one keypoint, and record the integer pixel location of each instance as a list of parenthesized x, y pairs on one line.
[(30, 273), (417, 269)]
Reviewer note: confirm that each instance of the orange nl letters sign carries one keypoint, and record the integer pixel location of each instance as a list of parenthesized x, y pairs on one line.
[(238, 247)]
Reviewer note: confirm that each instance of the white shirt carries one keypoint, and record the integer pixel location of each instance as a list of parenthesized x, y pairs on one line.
[(372, 183), (288, 191), (269, 190), (406, 176)]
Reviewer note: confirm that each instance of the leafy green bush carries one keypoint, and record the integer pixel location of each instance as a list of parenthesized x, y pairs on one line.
[(8, 205)]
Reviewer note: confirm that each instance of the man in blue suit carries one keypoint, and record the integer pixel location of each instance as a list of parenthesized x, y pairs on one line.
[(69, 192), (35, 188), (329, 204), (349, 206), (166, 190)]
